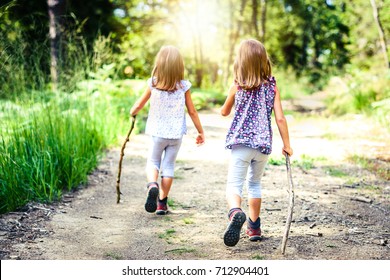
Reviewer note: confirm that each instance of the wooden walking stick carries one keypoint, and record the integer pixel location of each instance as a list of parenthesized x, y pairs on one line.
[(118, 180), (290, 204)]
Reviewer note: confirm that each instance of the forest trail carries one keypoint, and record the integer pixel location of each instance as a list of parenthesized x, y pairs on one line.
[(341, 210)]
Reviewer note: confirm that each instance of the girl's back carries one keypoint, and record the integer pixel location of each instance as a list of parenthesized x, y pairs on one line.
[(251, 125), (167, 111)]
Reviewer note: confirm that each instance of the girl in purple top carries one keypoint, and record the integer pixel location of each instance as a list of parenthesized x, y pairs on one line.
[(254, 94)]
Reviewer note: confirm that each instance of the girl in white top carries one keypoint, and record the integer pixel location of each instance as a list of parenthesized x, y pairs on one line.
[(169, 95)]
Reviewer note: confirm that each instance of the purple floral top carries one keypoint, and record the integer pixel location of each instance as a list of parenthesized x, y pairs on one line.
[(251, 124)]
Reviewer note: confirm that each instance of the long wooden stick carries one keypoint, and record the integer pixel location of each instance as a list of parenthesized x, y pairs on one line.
[(290, 204), (118, 180)]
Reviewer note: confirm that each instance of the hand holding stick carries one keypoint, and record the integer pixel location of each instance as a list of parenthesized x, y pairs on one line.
[(118, 192), (290, 204)]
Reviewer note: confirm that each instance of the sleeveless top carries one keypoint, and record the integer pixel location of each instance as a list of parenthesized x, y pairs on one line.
[(166, 117), (251, 125)]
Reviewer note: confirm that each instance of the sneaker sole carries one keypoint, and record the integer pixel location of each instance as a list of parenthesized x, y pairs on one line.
[(255, 238), (151, 200), (232, 233), (161, 212)]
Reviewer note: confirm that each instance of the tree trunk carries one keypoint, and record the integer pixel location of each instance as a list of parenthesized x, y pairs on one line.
[(381, 32), (234, 35), (56, 9), (263, 19), (255, 8)]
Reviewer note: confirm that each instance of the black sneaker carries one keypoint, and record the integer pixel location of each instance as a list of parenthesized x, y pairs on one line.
[(151, 199), (232, 233)]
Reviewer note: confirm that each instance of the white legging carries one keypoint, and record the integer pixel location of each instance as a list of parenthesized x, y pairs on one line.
[(246, 164), (162, 155)]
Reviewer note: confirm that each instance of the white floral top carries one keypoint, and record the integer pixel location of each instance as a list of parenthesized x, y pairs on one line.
[(167, 117)]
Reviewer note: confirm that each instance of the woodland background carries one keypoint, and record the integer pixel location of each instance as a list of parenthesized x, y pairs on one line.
[(70, 71)]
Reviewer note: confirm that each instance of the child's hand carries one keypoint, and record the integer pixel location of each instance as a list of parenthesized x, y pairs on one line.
[(287, 150), (200, 139)]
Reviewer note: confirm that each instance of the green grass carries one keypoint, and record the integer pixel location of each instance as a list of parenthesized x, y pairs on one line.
[(335, 172), (174, 204), (258, 257), (113, 256), (44, 151), (188, 221), (50, 144), (380, 168), (51, 141), (305, 162), (167, 235), (352, 94), (276, 161)]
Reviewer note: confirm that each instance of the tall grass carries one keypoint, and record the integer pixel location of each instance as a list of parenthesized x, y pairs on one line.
[(45, 150), (50, 147), (50, 142)]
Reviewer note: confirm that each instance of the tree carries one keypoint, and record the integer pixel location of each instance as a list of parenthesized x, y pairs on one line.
[(234, 35), (56, 9), (263, 19), (381, 32)]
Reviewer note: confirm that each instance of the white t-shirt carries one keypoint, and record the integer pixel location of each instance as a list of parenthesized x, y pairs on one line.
[(167, 118)]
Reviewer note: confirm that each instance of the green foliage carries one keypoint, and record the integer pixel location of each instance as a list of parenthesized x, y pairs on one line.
[(19, 70), (114, 256), (360, 92), (52, 145), (45, 150), (307, 162), (168, 235), (258, 257), (49, 141), (291, 86), (378, 167), (335, 172), (276, 161), (311, 37), (188, 221), (206, 99)]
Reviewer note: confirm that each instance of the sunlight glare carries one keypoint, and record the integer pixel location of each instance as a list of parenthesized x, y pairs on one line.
[(196, 24)]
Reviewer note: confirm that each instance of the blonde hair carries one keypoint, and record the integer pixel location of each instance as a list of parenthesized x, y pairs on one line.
[(168, 69), (252, 66)]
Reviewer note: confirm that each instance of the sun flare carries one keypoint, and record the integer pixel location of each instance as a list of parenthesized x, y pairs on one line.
[(196, 25)]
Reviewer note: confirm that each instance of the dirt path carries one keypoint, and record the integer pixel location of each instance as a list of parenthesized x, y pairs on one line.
[(342, 215)]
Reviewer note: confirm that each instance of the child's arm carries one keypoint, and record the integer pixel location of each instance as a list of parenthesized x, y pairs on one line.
[(140, 103), (195, 118), (282, 124), (229, 102)]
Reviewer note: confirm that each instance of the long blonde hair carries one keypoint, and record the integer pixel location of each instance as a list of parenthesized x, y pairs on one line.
[(252, 66), (168, 69)]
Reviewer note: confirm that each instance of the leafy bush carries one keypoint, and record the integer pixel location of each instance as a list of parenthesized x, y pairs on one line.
[(206, 99), (360, 92)]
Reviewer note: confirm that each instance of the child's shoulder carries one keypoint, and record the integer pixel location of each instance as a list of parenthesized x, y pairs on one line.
[(269, 83), (184, 85), (151, 82), (270, 80)]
